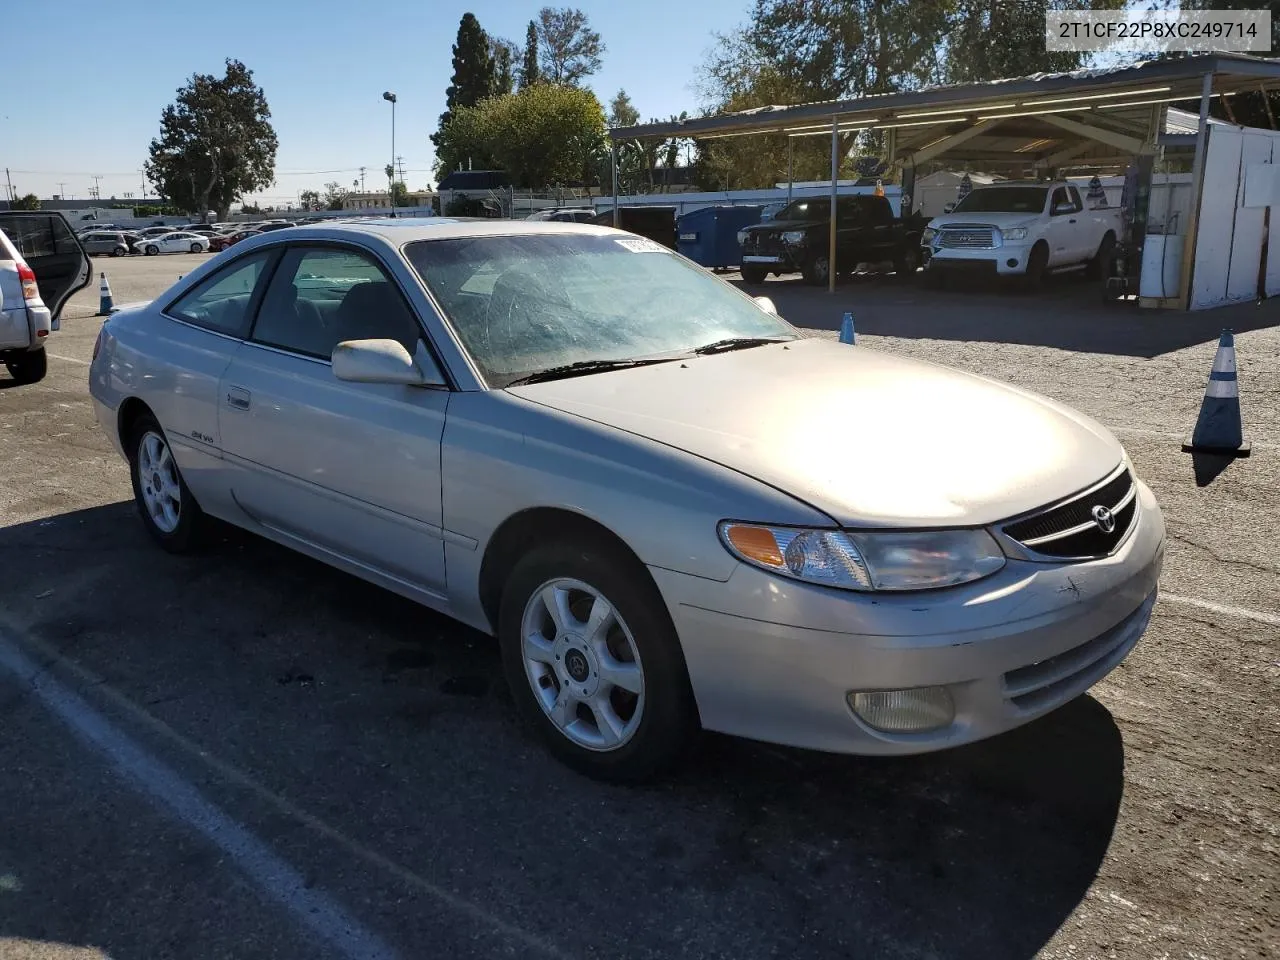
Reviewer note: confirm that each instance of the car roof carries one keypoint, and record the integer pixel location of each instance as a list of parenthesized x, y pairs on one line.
[(402, 230)]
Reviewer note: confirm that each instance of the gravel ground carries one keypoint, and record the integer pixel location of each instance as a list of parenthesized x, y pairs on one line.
[(372, 747)]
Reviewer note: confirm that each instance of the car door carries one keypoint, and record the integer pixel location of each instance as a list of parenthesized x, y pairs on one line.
[(350, 468), (1062, 232), (53, 252), (208, 322)]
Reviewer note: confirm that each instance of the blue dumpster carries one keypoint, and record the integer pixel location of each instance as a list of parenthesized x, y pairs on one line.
[(710, 236)]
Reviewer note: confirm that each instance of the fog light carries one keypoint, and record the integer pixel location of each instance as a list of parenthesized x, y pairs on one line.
[(904, 711), (1012, 261)]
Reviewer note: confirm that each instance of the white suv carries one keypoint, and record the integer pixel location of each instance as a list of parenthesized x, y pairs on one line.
[(41, 265)]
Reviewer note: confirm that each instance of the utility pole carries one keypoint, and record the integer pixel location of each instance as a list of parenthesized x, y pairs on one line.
[(362, 179), (97, 192), (62, 189), (142, 178), (400, 164), (9, 181)]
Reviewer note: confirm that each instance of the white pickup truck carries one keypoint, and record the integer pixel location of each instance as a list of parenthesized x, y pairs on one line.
[(1021, 228)]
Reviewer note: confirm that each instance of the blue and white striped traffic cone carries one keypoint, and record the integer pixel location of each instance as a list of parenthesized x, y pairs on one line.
[(1218, 428), (847, 334), (105, 304)]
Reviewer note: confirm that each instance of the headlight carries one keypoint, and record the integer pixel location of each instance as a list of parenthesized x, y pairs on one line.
[(793, 237), (870, 560), (926, 238), (1014, 233), (742, 236)]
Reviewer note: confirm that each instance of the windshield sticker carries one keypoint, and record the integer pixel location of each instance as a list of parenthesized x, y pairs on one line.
[(640, 244)]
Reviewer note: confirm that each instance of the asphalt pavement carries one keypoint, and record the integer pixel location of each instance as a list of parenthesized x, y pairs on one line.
[(248, 754)]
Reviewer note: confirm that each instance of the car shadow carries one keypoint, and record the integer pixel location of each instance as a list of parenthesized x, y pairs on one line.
[(749, 850), (1067, 312)]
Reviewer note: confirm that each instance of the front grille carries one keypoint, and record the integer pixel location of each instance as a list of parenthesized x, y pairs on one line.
[(1069, 530), (763, 245), (1042, 684), (967, 238)]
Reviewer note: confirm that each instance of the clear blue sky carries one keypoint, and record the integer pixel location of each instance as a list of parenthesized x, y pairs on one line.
[(87, 79)]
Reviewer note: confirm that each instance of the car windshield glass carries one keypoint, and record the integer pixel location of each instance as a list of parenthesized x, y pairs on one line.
[(1003, 200), (521, 304)]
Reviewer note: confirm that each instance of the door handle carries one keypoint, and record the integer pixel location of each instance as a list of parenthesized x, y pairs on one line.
[(238, 397), (1072, 220)]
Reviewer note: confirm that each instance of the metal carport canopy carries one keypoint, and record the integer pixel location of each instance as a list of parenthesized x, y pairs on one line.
[(1093, 117)]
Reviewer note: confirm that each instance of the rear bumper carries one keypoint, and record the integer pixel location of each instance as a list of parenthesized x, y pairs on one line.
[(25, 328), (1007, 650)]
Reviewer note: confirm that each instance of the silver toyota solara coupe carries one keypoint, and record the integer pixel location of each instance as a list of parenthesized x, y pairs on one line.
[(673, 510)]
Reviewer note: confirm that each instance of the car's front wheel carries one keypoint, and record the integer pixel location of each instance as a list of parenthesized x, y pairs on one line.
[(169, 511), (28, 367), (593, 661), (753, 274), (816, 270)]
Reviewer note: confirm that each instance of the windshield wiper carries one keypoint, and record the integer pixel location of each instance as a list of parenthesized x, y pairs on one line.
[(737, 343), (584, 367)]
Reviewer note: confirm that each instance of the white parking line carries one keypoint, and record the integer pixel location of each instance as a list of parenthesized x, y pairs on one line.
[(58, 356), (476, 914), (276, 878), (1244, 613)]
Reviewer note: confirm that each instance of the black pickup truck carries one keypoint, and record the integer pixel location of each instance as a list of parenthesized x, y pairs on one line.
[(799, 238)]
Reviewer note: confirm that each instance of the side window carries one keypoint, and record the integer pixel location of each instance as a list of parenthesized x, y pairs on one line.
[(1059, 197), (323, 296), (33, 236), (1074, 195), (221, 303)]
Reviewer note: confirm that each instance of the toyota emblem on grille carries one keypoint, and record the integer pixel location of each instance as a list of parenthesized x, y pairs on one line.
[(1104, 518)]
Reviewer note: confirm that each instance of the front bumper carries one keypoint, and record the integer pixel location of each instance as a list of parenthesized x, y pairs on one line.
[(774, 262), (1008, 260), (1008, 649)]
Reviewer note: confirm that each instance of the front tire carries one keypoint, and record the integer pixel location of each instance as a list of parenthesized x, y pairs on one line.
[(1037, 264), (29, 367), (753, 275), (169, 511), (816, 270), (907, 262), (594, 663)]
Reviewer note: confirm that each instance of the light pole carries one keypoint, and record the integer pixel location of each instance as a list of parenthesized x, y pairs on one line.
[(391, 170)]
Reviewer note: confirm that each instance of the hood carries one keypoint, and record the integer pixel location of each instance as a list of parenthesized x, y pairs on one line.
[(781, 225), (868, 438), (1002, 220)]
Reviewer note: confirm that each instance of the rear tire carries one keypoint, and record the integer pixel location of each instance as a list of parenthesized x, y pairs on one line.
[(753, 275), (119, 252), (29, 367), (152, 250), (907, 262), (168, 510), (1100, 266), (196, 248), (628, 731)]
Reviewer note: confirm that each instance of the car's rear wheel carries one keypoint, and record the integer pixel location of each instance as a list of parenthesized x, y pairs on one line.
[(28, 367), (907, 262), (169, 511), (152, 249), (118, 251), (594, 663), (196, 248), (753, 275)]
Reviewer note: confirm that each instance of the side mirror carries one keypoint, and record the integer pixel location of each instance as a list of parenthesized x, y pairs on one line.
[(948, 207), (765, 304), (385, 361), (1064, 208)]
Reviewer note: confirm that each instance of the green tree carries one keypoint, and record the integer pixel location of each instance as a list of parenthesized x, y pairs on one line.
[(334, 194), (529, 72), (474, 71), (216, 142), (28, 202), (993, 39), (569, 50), (505, 55), (399, 194), (309, 200), (622, 112), (545, 135)]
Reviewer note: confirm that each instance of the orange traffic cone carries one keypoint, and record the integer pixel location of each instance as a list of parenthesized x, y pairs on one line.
[(1218, 428)]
